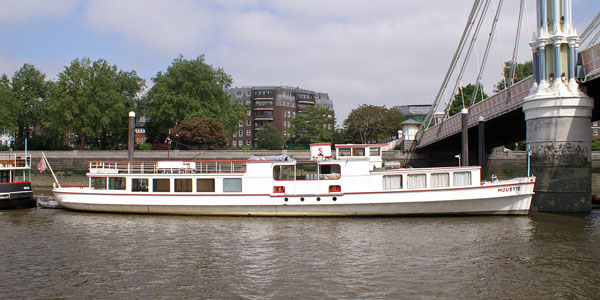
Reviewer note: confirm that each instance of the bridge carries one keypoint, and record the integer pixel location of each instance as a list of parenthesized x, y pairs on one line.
[(551, 113)]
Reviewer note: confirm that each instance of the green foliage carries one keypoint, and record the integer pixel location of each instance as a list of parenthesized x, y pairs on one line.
[(47, 142), (203, 133), (314, 124), (8, 118), (269, 137), (29, 90), (92, 100), (596, 146), (371, 124), (144, 146), (189, 89), (522, 71), (465, 95)]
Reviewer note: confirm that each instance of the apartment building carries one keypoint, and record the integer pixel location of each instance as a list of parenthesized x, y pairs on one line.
[(271, 104)]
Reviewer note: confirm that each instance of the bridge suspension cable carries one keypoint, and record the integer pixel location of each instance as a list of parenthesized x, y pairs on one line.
[(459, 49)]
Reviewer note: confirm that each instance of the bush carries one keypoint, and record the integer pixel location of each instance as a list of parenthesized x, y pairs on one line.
[(145, 146), (596, 146)]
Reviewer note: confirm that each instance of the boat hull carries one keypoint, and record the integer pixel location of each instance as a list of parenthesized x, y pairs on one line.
[(16, 195), (506, 198)]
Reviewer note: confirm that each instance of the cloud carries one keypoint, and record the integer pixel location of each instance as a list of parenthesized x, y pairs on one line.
[(377, 52), (169, 27), (24, 10)]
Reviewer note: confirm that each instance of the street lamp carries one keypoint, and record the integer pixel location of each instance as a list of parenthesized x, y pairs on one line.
[(458, 156)]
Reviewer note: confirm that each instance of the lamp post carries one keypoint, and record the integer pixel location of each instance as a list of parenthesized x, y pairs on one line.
[(458, 156)]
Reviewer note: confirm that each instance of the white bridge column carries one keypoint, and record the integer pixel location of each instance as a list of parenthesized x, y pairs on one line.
[(558, 118)]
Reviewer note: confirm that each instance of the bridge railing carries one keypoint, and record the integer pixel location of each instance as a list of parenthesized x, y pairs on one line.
[(492, 107), (590, 59)]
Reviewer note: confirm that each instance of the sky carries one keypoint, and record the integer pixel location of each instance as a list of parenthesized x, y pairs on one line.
[(378, 52)]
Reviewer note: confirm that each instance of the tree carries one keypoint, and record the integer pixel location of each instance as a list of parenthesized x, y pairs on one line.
[(370, 123), (30, 90), (464, 97), (314, 124), (189, 89), (8, 119), (522, 71), (92, 100), (269, 137), (202, 133)]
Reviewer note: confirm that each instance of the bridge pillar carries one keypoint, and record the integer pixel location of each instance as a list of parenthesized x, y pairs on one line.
[(558, 118)]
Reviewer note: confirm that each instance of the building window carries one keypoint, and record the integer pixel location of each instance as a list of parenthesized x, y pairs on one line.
[(235, 134), (248, 112), (248, 133), (238, 94), (289, 114), (241, 133), (248, 123), (234, 143), (248, 142), (247, 93), (595, 132), (241, 124)]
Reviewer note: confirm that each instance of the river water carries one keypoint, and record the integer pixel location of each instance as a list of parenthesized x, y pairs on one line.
[(60, 254)]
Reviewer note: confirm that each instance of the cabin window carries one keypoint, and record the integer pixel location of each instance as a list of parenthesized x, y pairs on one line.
[(306, 171), (283, 173), (391, 182), (98, 183), (116, 183), (183, 185), (344, 151), (139, 184), (205, 185), (330, 171), (415, 181), (161, 185), (232, 184), (440, 179), (5, 176), (462, 178), (358, 151), (375, 151)]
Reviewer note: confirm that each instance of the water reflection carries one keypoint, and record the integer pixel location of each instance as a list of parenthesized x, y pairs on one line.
[(63, 254)]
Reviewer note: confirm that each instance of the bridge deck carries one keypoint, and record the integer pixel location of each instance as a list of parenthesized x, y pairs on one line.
[(490, 108)]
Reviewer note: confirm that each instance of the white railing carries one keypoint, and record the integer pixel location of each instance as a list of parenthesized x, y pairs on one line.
[(15, 161), (170, 167)]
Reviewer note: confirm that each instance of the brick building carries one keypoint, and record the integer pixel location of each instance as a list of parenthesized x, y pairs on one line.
[(271, 104)]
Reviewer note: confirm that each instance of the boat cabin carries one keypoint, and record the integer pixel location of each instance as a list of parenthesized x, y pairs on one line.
[(15, 168)]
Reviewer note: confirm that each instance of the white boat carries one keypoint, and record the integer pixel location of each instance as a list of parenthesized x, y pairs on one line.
[(355, 183)]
